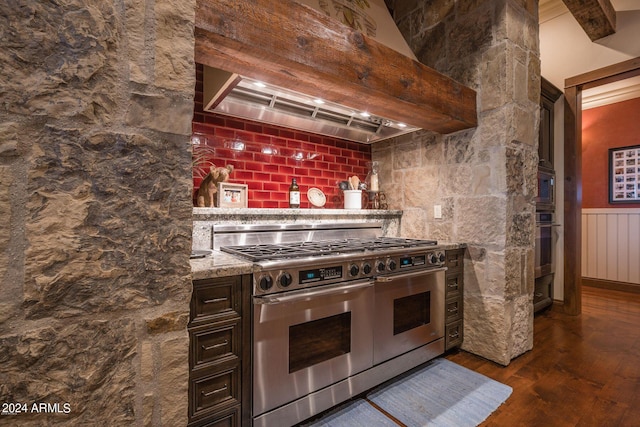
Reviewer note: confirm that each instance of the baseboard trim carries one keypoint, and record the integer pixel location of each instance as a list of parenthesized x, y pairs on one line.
[(611, 285)]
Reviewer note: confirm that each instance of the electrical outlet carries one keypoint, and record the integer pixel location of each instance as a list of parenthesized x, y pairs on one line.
[(437, 211)]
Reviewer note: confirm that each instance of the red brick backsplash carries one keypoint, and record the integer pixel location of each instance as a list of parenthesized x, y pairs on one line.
[(267, 157)]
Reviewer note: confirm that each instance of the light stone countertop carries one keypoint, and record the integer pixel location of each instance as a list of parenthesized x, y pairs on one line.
[(250, 215), (219, 264), (451, 245)]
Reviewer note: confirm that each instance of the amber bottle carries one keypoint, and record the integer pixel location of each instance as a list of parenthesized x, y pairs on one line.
[(294, 194)]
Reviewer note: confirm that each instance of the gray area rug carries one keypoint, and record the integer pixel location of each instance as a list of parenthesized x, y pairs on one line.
[(355, 413), (438, 394), (441, 393)]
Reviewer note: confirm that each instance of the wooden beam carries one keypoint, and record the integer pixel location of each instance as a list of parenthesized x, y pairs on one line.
[(611, 73), (596, 17), (294, 46)]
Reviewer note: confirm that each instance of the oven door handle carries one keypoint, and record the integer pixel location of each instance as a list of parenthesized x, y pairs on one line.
[(306, 294), (390, 278)]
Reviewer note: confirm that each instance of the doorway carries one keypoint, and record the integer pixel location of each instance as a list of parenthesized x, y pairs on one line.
[(573, 172)]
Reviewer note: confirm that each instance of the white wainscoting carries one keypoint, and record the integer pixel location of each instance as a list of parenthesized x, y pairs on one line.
[(611, 244)]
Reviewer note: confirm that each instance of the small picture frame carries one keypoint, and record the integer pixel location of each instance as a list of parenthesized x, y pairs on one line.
[(232, 195), (624, 174)]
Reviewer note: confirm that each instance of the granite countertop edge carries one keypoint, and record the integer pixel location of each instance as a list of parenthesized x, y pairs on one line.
[(201, 214)]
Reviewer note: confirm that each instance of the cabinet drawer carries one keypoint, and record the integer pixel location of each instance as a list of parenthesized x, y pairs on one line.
[(215, 299), (214, 344), (214, 392), (227, 418), (454, 259), (454, 283), (231, 419), (453, 310), (453, 335)]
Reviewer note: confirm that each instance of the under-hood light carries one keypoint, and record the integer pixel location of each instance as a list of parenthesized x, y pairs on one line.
[(260, 101)]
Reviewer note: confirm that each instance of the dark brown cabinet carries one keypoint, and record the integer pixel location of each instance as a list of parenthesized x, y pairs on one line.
[(219, 352), (454, 286), (549, 94)]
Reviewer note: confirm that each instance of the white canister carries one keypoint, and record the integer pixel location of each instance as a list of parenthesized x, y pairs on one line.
[(353, 199)]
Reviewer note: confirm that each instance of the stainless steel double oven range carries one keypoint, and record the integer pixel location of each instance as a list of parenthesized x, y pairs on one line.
[(337, 310)]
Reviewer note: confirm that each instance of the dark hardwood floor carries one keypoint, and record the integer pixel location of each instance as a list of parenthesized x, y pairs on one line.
[(583, 370)]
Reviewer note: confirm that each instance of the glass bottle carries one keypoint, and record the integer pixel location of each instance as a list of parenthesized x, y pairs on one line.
[(294, 194), (372, 179), (372, 182)]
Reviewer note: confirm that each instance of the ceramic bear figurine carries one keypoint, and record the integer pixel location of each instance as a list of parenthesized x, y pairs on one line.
[(206, 196)]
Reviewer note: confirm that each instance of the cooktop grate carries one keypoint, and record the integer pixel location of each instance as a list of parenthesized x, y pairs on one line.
[(271, 251)]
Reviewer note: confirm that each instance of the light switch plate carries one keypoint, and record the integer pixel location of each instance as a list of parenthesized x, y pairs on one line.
[(437, 211)]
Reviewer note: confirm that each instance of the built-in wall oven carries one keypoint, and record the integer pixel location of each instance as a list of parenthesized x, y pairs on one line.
[(546, 197), (545, 241), (544, 244), (341, 317)]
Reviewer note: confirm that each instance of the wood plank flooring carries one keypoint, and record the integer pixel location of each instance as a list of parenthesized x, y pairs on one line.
[(583, 370)]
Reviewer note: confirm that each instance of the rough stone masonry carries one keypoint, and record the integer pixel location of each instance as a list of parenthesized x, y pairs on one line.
[(95, 162), (484, 178)]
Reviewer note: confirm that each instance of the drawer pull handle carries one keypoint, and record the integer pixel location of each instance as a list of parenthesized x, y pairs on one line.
[(452, 310), (211, 347), (454, 336), (215, 300), (212, 392), (453, 285)]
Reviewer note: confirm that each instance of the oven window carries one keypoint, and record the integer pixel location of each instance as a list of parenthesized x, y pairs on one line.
[(314, 342), (411, 312), (544, 242)]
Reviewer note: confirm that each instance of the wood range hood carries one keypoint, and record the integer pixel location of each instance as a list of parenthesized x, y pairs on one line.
[(294, 46)]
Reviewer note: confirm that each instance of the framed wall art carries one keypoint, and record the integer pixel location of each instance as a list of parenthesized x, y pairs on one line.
[(232, 195), (624, 174)]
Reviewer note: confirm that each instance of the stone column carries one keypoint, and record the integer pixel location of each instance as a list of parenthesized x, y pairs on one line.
[(485, 178), (95, 163)]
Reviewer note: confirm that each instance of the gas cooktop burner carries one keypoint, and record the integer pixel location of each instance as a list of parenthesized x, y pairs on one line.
[(262, 252)]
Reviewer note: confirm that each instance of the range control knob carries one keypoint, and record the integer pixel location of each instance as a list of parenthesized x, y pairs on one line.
[(441, 257), (433, 258), (392, 265), (380, 266), (354, 270), (366, 268), (285, 279), (266, 282)]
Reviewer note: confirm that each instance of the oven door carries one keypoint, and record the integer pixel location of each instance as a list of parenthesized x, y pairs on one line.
[(409, 312), (306, 340), (546, 237)]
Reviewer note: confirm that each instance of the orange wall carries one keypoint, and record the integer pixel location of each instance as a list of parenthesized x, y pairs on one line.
[(611, 126)]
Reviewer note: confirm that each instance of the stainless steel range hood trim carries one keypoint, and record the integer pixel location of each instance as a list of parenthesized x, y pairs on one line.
[(230, 94)]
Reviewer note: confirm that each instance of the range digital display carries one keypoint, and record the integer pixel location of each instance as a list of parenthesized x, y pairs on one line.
[(319, 274), (410, 261)]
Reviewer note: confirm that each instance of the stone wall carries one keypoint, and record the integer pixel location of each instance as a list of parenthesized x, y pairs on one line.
[(95, 165), (485, 178)]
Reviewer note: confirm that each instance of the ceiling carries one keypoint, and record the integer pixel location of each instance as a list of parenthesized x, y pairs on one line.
[(566, 51)]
